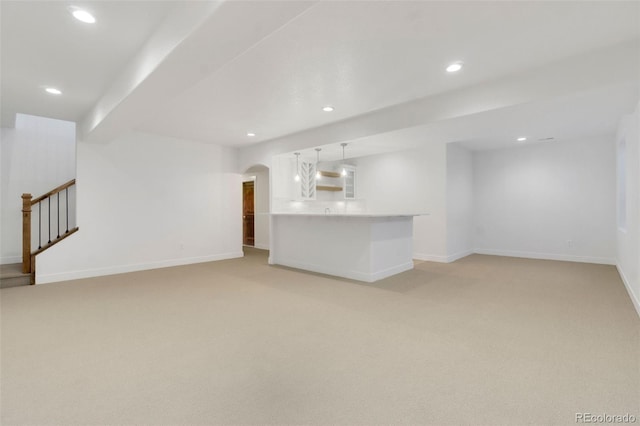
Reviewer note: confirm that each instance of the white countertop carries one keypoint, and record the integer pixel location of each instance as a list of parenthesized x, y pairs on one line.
[(350, 214)]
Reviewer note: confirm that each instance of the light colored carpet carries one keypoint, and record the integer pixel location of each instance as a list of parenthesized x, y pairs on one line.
[(482, 341)]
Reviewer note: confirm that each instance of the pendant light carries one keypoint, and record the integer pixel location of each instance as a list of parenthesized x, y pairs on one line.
[(318, 175), (297, 177), (344, 170)]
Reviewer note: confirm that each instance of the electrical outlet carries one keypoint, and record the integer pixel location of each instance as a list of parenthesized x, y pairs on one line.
[(569, 243)]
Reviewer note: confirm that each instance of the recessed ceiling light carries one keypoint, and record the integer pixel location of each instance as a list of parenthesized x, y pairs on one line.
[(53, 91), (251, 134), (454, 67), (328, 108), (521, 139), (83, 16)]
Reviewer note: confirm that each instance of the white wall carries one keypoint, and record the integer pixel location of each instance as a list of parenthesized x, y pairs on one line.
[(553, 200), (628, 240), (145, 202), (412, 181), (37, 155), (261, 205), (459, 202)]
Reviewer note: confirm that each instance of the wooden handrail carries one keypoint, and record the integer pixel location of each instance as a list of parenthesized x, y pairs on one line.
[(29, 257), (53, 192)]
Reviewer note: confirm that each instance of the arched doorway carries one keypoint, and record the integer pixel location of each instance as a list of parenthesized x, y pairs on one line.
[(255, 207)]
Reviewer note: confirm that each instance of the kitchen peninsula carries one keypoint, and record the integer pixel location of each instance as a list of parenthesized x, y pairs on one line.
[(360, 246)]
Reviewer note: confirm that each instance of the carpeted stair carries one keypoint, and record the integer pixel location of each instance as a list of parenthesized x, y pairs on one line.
[(11, 276)]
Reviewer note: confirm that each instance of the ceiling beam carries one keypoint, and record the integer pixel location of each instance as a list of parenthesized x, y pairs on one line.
[(610, 67), (196, 41)]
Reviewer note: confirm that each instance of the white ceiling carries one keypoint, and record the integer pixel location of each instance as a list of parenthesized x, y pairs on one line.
[(43, 45), (565, 118), (363, 56), (269, 67)]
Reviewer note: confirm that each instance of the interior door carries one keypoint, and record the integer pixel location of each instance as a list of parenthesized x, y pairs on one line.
[(248, 238)]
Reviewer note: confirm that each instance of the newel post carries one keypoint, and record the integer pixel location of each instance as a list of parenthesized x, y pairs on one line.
[(26, 233)]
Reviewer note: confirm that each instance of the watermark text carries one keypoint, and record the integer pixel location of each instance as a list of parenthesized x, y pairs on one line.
[(605, 418)]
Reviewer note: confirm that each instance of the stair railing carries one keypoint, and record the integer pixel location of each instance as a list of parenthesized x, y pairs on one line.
[(29, 256)]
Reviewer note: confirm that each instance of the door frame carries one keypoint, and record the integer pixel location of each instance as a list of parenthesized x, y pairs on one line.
[(252, 180), (261, 175)]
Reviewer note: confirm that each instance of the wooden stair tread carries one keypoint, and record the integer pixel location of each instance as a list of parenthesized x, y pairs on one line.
[(11, 271), (11, 276)]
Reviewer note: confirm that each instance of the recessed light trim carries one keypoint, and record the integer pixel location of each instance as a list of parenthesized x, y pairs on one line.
[(521, 139), (327, 108), (251, 134), (455, 67), (82, 15), (53, 91)]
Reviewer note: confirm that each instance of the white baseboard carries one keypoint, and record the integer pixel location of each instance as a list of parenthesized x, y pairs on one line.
[(510, 253), (456, 256), (379, 275), (262, 246), (430, 257), (547, 256), (627, 285), (353, 275), (121, 269), (442, 259), (7, 260)]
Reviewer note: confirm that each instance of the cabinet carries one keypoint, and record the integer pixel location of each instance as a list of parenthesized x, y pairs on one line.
[(307, 188), (349, 183)]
